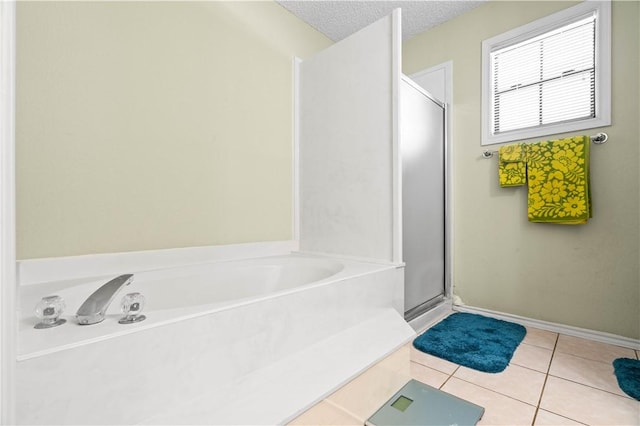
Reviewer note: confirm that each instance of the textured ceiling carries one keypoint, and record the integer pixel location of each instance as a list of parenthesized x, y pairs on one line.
[(338, 19)]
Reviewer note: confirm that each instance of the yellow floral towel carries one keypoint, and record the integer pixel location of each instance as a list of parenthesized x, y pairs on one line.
[(512, 166), (558, 181)]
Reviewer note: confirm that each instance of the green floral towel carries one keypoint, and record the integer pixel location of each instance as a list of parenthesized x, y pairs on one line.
[(512, 166), (558, 181)]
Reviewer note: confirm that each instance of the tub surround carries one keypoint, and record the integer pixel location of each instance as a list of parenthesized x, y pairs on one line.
[(176, 294), (348, 137), (181, 359)]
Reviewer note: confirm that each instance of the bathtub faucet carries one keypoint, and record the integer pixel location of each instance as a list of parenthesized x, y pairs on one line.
[(94, 309)]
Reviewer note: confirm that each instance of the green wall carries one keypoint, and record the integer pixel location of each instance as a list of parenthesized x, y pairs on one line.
[(585, 276), (151, 125)]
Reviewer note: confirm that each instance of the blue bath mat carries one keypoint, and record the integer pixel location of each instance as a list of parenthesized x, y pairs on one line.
[(628, 374), (475, 341)]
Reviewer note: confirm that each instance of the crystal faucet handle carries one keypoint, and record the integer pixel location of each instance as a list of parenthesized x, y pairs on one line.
[(132, 305), (49, 310)]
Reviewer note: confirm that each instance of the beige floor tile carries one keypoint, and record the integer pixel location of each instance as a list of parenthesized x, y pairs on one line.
[(542, 338), (533, 357), (427, 375), (366, 393), (325, 413), (499, 409), (433, 362), (545, 418), (585, 371), (590, 349), (398, 361), (588, 405), (516, 382)]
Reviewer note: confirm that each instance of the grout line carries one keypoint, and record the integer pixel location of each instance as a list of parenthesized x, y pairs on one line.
[(510, 396), (528, 368), (561, 415), (430, 366), (538, 346), (580, 383), (588, 359), (493, 390), (546, 377), (433, 368), (591, 387), (599, 343), (498, 393), (553, 353), (448, 378)]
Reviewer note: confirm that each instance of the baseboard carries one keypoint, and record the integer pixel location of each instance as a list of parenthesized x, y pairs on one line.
[(35, 271), (584, 333)]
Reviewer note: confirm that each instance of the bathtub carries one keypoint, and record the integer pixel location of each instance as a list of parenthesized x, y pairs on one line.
[(216, 336)]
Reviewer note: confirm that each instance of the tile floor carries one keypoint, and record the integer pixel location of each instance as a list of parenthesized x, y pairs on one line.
[(552, 380)]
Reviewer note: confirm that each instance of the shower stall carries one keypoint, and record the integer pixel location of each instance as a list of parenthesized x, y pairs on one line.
[(422, 153), (371, 162)]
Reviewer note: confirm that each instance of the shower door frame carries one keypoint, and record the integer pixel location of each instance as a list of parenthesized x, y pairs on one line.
[(416, 314)]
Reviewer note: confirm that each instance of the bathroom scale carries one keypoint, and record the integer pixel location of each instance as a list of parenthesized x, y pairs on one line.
[(417, 404)]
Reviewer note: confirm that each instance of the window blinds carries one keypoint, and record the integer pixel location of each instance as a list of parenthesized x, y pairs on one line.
[(546, 79)]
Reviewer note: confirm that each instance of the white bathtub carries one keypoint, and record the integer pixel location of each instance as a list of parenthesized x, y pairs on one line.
[(173, 294), (213, 332)]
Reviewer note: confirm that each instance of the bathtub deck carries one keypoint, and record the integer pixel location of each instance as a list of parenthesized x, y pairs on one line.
[(280, 392)]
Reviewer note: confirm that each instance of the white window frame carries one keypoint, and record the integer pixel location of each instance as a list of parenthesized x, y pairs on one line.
[(533, 29)]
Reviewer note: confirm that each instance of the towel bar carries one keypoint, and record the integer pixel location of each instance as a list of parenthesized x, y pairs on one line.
[(598, 139)]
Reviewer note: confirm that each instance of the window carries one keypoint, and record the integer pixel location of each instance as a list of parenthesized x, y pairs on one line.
[(550, 76)]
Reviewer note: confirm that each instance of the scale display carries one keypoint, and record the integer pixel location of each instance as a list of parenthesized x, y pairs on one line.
[(417, 404), (401, 403)]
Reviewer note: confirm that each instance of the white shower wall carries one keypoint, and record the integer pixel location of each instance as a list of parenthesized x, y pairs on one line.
[(347, 133)]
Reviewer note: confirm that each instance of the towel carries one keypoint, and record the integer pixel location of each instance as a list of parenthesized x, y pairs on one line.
[(512, 167), (558, 181)]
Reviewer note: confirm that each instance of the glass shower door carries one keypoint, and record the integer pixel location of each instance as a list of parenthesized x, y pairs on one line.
[(423, 220)]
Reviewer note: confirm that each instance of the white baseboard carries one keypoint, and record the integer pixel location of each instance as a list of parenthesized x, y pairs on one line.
[(35, 271), (584, 333)]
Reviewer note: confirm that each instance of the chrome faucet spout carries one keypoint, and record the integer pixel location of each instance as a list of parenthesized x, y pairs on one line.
[(94, 309)]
